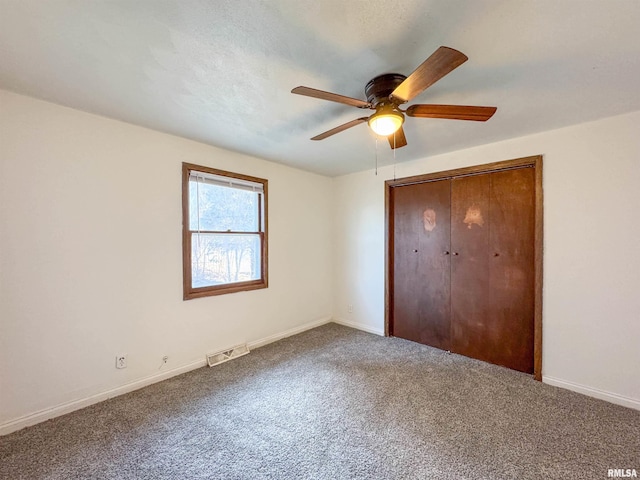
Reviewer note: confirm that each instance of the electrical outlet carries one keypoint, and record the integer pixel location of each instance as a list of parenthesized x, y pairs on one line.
[(121, 361), (350, 308)]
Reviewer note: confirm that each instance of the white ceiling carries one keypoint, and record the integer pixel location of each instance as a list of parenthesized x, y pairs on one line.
[(221, 71)]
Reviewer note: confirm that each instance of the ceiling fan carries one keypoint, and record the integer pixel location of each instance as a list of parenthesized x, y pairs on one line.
[(385, 93)]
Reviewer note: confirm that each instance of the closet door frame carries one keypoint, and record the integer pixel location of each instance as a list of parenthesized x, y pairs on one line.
[(534, 162)]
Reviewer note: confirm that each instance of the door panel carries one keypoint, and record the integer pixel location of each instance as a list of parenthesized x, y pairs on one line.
[(471, 324), (421, 263), (512, 274)]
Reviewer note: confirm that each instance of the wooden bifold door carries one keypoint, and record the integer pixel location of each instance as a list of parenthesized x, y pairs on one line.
[(464, 262)]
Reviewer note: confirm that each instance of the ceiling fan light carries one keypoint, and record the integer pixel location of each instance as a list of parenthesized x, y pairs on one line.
[(386, 122)]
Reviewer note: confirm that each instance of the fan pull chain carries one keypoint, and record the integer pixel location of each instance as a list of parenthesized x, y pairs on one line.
[(376, 155), (394, 155)]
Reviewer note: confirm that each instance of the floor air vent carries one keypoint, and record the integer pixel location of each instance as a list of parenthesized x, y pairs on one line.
[(225, 355)]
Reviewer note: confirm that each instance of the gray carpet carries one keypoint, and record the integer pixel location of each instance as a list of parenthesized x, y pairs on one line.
[(334, 403)]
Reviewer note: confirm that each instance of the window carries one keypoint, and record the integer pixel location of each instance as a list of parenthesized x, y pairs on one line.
[(224, 232)]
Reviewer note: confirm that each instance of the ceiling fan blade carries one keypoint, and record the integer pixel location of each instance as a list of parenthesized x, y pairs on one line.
[(399, 141), (441, 62), (339, 129), (333, 97), (455, 112)]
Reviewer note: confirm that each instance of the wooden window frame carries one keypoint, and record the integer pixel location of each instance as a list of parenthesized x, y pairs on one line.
[(189, 292), (534, 162)]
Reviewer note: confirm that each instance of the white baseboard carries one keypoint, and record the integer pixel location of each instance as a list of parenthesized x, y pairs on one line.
[(68, 407), (288, 333), (593, 392), (359, 326)]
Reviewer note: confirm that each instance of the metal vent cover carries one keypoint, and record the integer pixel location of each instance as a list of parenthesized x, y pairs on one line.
[(226, 355)]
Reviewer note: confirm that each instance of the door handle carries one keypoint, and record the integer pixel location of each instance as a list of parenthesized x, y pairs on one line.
[(455, 254), (446, 253)]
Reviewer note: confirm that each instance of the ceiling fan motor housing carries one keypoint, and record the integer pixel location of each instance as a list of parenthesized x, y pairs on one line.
[(379, 88)]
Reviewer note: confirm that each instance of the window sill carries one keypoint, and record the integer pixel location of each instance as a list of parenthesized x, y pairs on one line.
[(224, 289)]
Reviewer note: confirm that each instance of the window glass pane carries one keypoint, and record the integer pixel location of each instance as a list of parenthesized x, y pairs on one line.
[(217, 259), (218, 208)]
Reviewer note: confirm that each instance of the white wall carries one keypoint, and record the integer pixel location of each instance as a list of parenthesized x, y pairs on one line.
[(90, 258), (591, 311)]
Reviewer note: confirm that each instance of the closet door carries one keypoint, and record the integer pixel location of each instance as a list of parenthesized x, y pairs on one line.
[(511, 274), (492, 270), (472, 328), (421, 263)]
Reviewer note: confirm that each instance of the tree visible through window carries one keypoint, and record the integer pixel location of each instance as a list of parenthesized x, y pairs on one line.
[(224, 232)]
